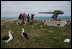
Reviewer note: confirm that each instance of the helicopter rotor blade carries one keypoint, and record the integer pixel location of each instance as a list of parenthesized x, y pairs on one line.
[(45, 12)]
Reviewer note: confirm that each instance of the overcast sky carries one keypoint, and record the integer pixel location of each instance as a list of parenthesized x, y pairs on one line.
[(14, 8)]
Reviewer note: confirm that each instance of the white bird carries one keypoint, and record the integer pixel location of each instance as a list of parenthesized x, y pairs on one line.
[(17, 24), (9, 38), (67, 40), (24, 34)]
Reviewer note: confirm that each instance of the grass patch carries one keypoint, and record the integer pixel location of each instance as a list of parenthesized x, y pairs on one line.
[(49, 37)]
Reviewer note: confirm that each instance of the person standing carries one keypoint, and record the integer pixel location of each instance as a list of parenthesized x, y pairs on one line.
[(24, 18), (32, 17), (28, 18), (20, 19)]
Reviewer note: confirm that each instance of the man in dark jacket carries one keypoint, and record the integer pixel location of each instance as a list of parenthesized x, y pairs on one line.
[(32, 17), (20, 19), (20, 16)]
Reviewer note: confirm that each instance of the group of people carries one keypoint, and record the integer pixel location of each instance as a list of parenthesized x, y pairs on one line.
[(23, 17)]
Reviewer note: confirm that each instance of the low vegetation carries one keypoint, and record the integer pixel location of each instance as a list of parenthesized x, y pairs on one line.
[(40, 36)]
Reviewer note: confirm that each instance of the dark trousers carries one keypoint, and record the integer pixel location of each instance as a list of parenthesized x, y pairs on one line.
[(28, 20)]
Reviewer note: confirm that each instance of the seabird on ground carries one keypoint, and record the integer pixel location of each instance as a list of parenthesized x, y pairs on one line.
[(24, 34), (8, 38), (17, 24), (67, 40)]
